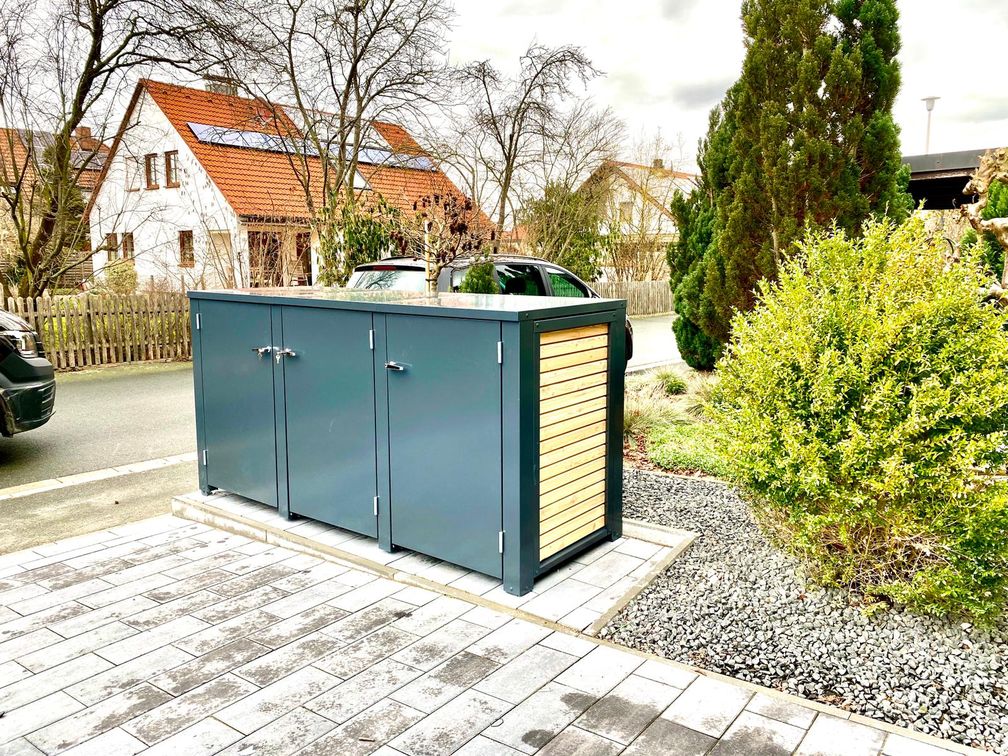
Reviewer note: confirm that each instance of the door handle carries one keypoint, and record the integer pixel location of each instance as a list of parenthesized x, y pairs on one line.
[(285, 352), (395, 366), (262, 350)]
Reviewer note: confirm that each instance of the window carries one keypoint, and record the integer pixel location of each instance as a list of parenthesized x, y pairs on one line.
[(389, 277), (520, 279), (127, 246), (132, 174), (151, 168), (565, 285), (302, 248), (112, 246), (171, 169), (265, 258), (626, 211), (186, 257)]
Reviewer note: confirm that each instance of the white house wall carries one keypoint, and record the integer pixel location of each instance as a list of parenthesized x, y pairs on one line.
[(156, 216)]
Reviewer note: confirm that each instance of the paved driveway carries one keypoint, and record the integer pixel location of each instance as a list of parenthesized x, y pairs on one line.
[(654, 342), (168, 637)]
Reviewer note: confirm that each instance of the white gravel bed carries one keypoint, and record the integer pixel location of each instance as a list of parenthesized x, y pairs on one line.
[(735, 604)]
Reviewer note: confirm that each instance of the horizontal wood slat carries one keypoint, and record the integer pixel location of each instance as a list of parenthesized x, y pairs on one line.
[(576, 397), (573, 414), (576, 345), (578, 371), (574, 358), (567, 334)]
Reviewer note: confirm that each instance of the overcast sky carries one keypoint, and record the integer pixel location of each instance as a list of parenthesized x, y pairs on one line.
[(668, 61)]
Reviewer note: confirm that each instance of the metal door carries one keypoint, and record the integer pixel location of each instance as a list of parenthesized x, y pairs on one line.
[(238, 419), (444, 401), (329, 390)]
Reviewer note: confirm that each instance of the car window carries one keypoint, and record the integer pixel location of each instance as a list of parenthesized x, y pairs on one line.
[(399, 279), (565, 285), (457, 276), (520, 279)]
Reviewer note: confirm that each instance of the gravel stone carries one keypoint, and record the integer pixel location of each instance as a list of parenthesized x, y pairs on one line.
[(735, 604)]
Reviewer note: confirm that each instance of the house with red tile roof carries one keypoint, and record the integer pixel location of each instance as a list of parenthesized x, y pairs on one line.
[(205, 189)]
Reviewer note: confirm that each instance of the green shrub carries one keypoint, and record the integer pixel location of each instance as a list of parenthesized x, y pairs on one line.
[(673, 383), (120, 277), (479, 279), (864, 402), (685, 447), (698, 349)]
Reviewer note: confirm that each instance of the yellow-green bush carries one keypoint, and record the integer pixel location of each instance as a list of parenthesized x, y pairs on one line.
[(865, 403)]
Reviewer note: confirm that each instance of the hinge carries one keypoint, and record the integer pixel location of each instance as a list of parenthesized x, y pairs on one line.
[(375, 506), (204, 458), (500, 352), (500, 541), (197, 321), (371, 339)]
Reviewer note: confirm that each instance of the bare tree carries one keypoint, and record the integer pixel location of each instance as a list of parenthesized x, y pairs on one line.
[(515, 114), (61, 65), (993, 168)]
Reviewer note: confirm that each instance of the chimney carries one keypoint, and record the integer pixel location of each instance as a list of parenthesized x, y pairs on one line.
[(82, 132), (658, 163)]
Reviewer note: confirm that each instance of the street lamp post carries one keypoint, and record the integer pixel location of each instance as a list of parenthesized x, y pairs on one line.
[(929, 102)]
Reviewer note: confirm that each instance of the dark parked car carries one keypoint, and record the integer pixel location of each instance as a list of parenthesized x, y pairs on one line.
[(513, 274), (27, 382)]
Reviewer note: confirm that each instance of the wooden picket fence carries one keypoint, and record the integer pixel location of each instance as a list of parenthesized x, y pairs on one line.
[(85, 330), (643, 297)]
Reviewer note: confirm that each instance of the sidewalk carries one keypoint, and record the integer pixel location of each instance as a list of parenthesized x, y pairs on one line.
[(165, 636)]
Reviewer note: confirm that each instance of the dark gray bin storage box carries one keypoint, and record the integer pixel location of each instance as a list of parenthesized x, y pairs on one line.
[(482, 430)]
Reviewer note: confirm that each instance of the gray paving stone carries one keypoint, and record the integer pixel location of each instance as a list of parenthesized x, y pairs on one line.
[(366, 732), (667, 673), (898, 745), (360, 596), (178, 679), (292, 628), (369, 619), (624, 712), (124, 676), (525, 674), (600, 670), (38, 713), (561, 599), (505, 643), (754, 735), (437, 687), (666, 736), (363, 690), (415, 595), (72, 577), (98, 599), (708, 706), (40, 575), (206, 737), (189, 708), (7, 614), (11, 672), (304, 578), (232, 607), (146, 566), (114, 742), (540, 717), (278, 698), (451, 726), (481, 746), (783, 711), (162, 635), (491, 619), (288, 734), (429, 617), (19, 625), (569, 644), (170, 610), (357, 577), (358, 656), (577, 742), (829, 736), (217, 635), (52, 680), (72, 648), (94, 720), (637, 548), (258, 561), (434, 648), (608, 569), (286, 659), (19, 747), (239, 585), (89, 619), (21, 593)]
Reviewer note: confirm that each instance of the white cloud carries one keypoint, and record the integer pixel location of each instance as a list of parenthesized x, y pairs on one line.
[(667, 62)]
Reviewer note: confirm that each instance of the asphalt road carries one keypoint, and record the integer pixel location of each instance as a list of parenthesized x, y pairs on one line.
[(654, 342), (104, 418)]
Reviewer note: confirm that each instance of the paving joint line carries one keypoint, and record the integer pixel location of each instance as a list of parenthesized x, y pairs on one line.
[(184, 508)]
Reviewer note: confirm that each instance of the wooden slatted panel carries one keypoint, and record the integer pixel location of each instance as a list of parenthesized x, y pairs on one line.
[(573, 408)]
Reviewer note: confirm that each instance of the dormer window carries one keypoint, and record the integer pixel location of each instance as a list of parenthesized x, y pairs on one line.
[(151, 170), (171, 169)]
